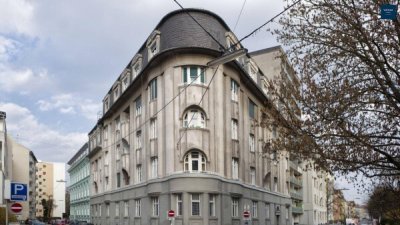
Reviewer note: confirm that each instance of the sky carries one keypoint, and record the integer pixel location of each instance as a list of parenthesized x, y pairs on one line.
[(59, 58)]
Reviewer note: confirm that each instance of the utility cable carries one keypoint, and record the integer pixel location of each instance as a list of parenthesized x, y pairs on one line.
[(237, 20), (270, 20), (152, 116), (202, 97), (208, 33)]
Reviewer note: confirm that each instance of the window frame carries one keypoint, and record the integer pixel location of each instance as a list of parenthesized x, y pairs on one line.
[(139, 174), (235, 168), (155, 205), (234, 129), (234, 90), (199, 118), (126, 208), (235, 207), (253, 175), (154, 166), (194, 202), (252, 144), (187, 75), (153, 89), (153, 128), (254, 209), (138, 106), (212, 204), (138, 207), (179, 204), (201, 162)]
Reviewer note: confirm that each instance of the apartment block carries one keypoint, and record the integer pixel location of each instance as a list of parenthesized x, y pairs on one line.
[(79, 189)]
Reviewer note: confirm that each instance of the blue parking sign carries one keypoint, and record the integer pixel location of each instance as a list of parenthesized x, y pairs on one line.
[(19, 192)]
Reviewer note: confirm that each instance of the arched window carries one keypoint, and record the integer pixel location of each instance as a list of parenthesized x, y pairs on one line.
[(195, 161), (194, 118)]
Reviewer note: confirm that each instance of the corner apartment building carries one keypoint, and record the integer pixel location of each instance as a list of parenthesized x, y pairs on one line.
[(50, 184), (24, 171), (79, 189), (176, 134)]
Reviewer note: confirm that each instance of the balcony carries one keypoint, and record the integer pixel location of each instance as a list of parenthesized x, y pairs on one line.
[(296, 195), (295, 181), (297, 210)]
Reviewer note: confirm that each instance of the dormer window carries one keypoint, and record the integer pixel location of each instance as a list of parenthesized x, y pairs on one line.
[(231, 42), (116, 92), (125, 81), (106, 103), (136, 65), (153, 44), (252, 70)]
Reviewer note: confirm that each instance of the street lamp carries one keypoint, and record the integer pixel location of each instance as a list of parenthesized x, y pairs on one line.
[(227, 57)]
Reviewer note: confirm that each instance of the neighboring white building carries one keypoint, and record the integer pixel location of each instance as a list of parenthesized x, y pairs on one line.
[(316, 182), (5, 158), (50, 184), (79, 189)]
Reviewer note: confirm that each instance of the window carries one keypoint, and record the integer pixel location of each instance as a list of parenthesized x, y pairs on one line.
[(234, 129), (118, 180), (287, 213), (254, 209), (138, 173), (235, 207), (106, 104), (116, 92), (179, 205), (267, 210), (138, 140), (211, 205), (195, 162), (138, 104), (194, 118), (275, 184), (125, 82), (252, 109), (251, 143), (234, 91), (126, 208), (107, 209), (154, 167), (136, 65), (193, 74), (153, 89), (153, 44), (138, 210), (153, 128), (253, 175), (155, 206), (195, 198), (117, 209), (235, 168), (136, 70)]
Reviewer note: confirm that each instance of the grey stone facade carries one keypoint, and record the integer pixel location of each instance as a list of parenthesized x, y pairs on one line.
[(197, 148)]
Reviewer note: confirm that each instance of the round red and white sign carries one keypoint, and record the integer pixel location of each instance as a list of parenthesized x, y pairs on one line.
[(16, 207), (246, 214), (171, 213)]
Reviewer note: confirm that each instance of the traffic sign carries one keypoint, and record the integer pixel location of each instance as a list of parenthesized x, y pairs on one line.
[(19, 192), (16, 207), (171, 213), (246, 214)]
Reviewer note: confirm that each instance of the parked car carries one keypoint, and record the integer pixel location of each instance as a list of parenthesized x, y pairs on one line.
[(61, 222), (37, 222)]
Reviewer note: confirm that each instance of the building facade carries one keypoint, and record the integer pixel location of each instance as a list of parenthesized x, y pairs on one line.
[(5, 159), (50, 185), (176, 134), (24, 171), (79, 189), (315, 198)]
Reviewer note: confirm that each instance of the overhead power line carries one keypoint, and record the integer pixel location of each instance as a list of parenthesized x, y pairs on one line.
[(270, 20), (237, 20), (208, 33)]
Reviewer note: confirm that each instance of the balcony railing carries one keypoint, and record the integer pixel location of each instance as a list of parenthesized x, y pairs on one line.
[(297, 210), (295, 181), (296, 195)]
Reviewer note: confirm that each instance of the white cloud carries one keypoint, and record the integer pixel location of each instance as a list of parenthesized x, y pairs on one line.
[(16, 16), (46, 143), (71, 104), (22, 80)]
